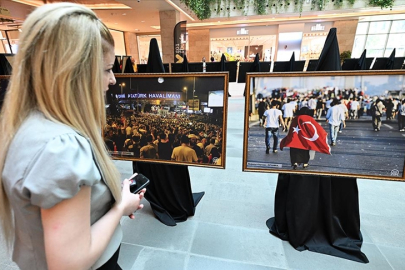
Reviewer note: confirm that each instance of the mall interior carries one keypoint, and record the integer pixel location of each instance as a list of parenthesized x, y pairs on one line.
[(228, 229)]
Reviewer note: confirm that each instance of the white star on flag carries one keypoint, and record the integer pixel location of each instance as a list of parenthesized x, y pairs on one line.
[(296, 129)]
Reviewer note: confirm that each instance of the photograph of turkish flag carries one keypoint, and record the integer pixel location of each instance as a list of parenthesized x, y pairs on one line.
[(305, 133)]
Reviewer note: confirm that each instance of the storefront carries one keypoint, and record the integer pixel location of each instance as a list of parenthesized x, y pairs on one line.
[(243, 44), (313, 39), (379, 35), (273, 42)]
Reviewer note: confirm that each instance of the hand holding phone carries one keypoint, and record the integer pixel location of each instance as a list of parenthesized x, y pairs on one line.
[(137, 182)]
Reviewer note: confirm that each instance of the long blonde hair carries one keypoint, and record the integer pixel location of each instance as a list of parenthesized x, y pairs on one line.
[(58, 70)]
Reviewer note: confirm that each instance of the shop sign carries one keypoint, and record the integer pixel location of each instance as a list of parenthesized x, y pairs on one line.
[(318, 27), (151, 95), (242, 31)]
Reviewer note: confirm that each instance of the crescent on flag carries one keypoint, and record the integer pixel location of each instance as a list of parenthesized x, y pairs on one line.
[(307, 134), (313, 138)]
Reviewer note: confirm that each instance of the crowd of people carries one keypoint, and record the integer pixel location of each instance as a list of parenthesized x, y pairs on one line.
[(333, 105), (187, 138)]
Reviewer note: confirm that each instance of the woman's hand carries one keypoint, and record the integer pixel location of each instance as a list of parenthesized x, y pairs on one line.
[(130, 202)]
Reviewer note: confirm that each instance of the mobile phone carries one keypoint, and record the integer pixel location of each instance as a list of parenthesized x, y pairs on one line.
[(137, 182)]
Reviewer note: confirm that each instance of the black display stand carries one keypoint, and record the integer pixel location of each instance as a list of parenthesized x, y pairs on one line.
[(319, 213), (169, 191)]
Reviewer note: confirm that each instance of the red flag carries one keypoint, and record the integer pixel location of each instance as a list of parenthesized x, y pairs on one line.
[(305, 133)]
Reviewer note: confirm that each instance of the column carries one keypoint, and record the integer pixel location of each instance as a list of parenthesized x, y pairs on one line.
[(131, 45), (168, 20), (198, 45), (345, 31)]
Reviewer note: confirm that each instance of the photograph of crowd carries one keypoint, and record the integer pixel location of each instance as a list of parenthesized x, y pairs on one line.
[(328, 123), (168, 118)]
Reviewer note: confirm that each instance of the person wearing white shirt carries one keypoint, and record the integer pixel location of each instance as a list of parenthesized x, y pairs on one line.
[(273, 118), (288, 113), (354, 107), (335, 117)]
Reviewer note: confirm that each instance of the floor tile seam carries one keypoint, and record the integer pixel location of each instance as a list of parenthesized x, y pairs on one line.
[(390, 246), (253, 184), (386, 259), (262, 228), (230, 260), (157, 248), (390, 216), (186, 261), (238, 200), (230, 226), (193, 235), (380, 216)]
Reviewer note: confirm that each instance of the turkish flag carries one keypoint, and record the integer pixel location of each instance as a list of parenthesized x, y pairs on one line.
[(305, 133)]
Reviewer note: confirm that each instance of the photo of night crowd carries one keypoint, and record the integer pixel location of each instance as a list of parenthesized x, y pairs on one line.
[(166, 125)]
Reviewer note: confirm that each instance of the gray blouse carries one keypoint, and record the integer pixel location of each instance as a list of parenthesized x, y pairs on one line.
[(47, 162)]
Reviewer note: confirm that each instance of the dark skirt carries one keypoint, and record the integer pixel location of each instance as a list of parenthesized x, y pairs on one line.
[(299, 156)]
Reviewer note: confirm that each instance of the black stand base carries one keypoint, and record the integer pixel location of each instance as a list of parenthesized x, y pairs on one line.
[(169, 192), (319, 214)]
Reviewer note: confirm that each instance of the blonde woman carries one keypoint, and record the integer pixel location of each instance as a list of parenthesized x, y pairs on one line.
[(61, 199)]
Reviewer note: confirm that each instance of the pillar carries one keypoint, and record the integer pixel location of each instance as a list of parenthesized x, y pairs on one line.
[(346, 32), (168, 20), (131, 45), (198, 45)]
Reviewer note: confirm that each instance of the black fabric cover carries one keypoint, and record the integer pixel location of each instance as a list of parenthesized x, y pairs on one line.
[(223, 66), (319, 213), (169, 191), (129, 68), (5, 67), (256, 64), (116, 68), (329, 60), (184, 65), (155, 64), (390, 60), (223, 60), (362, 64), (292, 62)]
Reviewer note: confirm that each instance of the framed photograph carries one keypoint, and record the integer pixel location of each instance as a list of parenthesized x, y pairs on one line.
[(177, 118), (326, 123)]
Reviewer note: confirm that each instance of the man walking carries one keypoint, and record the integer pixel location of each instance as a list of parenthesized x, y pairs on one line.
[(288, 113), (335, 117), (376, 113), (273, 118)]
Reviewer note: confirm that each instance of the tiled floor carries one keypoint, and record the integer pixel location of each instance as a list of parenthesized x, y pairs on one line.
[(228, 230)]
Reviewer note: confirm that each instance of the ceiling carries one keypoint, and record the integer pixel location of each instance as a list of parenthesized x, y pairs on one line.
[(142, 16)]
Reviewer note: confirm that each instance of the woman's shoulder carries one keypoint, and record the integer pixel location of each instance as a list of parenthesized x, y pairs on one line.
[(38, 134)]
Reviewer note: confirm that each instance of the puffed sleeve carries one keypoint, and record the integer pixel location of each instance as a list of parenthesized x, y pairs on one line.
[(58, 171)]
